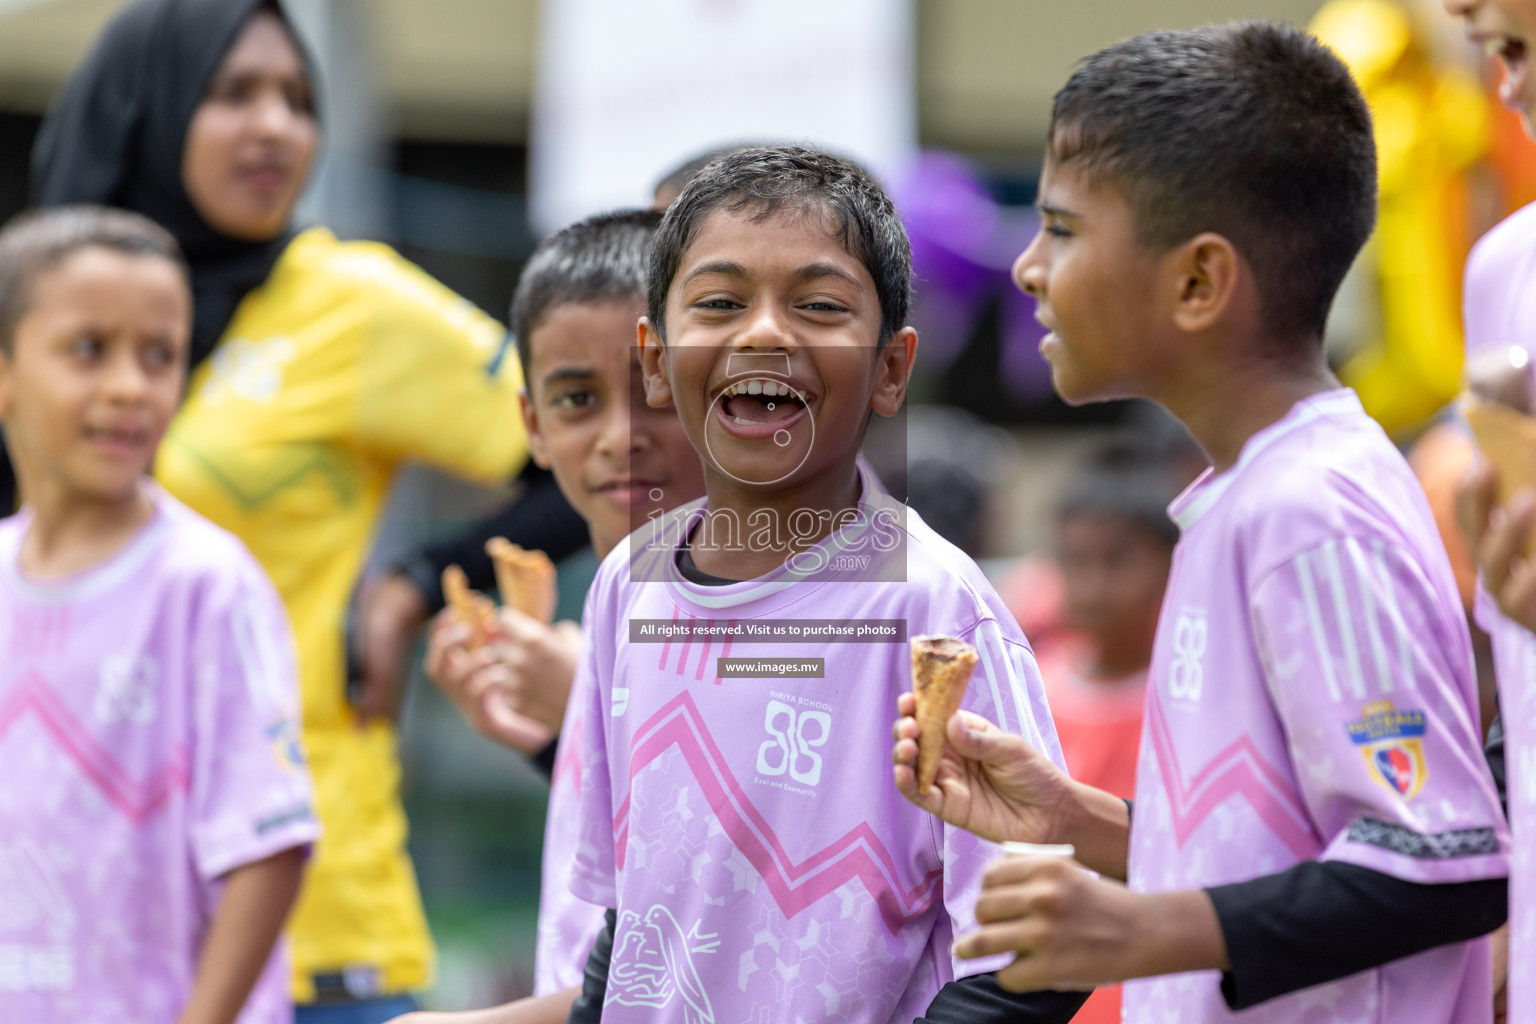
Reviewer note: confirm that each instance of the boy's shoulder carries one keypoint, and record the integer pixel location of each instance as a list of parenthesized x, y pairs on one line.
[(325, 269), (197, 550), (1509, 243), (1324, 473)]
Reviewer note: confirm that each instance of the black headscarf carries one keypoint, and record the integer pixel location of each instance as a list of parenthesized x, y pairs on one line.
[(116, 134)]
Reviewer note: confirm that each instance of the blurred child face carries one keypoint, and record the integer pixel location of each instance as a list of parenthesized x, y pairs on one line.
[(1114, 572), (1504, 28), (1093, 282), (771, 351), (95, 373), (251, 142), (616, 459)]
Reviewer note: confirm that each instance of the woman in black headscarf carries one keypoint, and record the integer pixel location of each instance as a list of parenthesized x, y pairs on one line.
[(324, 365)]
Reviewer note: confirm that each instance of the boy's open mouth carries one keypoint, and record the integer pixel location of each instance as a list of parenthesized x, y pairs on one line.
[(1512, 51), (760, 404)]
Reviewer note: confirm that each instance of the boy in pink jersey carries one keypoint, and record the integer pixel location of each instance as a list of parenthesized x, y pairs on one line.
[(737, 825), (156, 810), (1315, 835)]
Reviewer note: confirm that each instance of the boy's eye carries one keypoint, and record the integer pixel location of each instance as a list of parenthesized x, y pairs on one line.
[(85, 348), (719, 304), (825, 306), (1057, 231), (158, 356), (574, 400)]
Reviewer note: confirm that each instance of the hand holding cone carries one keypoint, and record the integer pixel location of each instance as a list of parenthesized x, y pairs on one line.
[(1508, 440), (941, 670), (526, 579)]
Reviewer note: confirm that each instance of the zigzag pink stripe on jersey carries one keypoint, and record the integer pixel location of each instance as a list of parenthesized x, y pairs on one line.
[(1237, 770), (137, 801), (857, 855)]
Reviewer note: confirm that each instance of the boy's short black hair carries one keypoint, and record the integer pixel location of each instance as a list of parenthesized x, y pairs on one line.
[(769, 180), (1252, 130), (34, 242), (602, 257)]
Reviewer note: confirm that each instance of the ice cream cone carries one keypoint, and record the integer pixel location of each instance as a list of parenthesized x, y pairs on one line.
[(1508, 440), (471, 608), (941, 669), (526, 579)]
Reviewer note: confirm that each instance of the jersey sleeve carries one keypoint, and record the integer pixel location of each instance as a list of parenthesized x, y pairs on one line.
[(1006, 690), (251, 794), (439, 383), (594, 875), (1373, 685)]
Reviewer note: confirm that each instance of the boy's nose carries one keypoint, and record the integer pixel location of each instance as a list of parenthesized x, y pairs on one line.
[(1028, 271), (765, 332)]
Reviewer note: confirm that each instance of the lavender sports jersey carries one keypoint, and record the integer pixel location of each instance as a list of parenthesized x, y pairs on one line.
[(747, 830), (148, 745), (1500, 309), (1312, 697), (568, 926)]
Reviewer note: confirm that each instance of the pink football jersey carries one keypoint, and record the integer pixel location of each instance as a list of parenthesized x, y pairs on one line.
[(744, 822), (1312, 697), (568, 925), (1500, 309), (149, 744)]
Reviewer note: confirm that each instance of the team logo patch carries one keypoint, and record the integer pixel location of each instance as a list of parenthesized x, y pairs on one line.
[(1392, 743)]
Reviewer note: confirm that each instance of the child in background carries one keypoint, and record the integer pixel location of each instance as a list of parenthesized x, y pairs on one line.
[(738, 822), (614, 457), (156, 810), (1312, 808)]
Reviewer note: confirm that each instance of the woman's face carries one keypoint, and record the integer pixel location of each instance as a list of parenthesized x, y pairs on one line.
[(253, 138)]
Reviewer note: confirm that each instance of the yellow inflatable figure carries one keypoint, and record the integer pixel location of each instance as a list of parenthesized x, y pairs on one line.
[(1431, 125)]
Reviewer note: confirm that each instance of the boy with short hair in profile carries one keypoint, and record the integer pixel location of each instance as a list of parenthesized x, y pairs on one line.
[(1312, 810), (156, 809)]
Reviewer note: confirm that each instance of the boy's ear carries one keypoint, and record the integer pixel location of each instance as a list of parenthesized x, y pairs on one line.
[(893, 370), (653, 368), (537, 446), (1207, 272)]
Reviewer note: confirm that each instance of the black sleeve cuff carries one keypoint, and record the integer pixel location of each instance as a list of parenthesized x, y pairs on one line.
[(1323, 920), (980, 1000), (588, 1007), (544, 760)]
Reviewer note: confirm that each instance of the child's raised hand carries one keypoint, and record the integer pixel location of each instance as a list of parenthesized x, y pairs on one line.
[(990, 782), (1496, 536), (1071, 931), (462, 676), (534, 665)]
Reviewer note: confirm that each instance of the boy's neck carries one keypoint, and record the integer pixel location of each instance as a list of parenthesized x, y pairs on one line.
[(826, 497), (1225, 402), (68, 535)]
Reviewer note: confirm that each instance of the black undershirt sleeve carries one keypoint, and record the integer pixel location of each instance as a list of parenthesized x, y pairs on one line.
[(540, 520), (588, 1007), (1493, 753), (1323, 920), (979, 1000), (544, 760)]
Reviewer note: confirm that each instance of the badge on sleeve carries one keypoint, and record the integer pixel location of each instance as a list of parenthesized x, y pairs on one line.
[(1392, 743)]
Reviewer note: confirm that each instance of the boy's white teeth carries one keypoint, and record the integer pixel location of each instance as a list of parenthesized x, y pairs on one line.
[(754, 387)]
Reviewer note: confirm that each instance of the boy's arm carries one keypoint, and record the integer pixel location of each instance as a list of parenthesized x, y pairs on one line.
[(250, 915), (546, 1009)]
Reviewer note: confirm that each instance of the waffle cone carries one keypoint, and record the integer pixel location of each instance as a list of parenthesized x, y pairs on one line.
[(526, 579), (1508, 440), (941, 670), (469, 607)]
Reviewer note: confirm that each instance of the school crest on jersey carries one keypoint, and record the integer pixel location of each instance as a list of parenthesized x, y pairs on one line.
[(1392, 743)]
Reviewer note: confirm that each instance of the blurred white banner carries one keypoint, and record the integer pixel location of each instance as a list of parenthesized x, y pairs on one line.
[(627, 91)]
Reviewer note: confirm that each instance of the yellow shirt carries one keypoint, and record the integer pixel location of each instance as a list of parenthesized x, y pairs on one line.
[(347, 361)]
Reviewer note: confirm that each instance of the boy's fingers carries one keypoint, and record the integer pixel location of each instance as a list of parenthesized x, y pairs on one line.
[(1475, 495), (1502, 540), (1021, 936), (904, 729), (906, 705), (1517, 598), (905, 751), (975, 739)]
